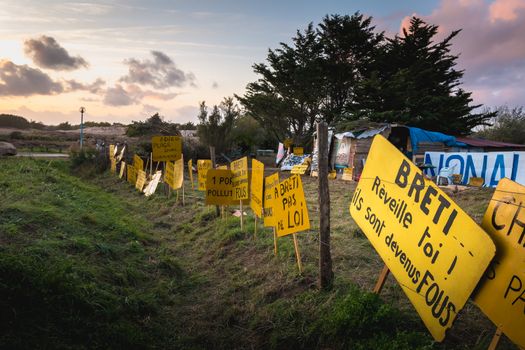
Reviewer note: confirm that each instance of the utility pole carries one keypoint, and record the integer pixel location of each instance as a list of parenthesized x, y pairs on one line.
[(82, 110), (326, 274)]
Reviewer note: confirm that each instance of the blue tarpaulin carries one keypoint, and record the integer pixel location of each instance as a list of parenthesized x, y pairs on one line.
[(418, 135)]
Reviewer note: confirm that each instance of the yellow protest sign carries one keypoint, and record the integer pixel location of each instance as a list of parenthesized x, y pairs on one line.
[(223, 167), (290, 211), (436, 252), (270, 182), (112, 150), (202, 168), (501, 293), (169, 174), (299, 169), (219, 187), (287, 143), (132, 174), (151, 187), (141, 180), (178, 173), (298, 151), (122, 169), (256, 193), (239, 169), (190, 171), (348, 174), (138, 163), (166, 148), (113, 165)]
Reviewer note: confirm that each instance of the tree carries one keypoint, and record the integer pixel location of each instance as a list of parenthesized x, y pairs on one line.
[(416, 83), (154, 125), (508, 125), (214, 129)]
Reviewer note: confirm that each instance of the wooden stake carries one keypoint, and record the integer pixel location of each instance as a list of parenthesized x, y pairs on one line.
[(213, 164), (274, 241), (183, 189), (381, 280), (255, 227), (495, 339), (151, 164), (177, 200), (297, 253), (242, 220)]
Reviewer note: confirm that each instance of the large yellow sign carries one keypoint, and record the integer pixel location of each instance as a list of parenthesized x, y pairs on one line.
[(132, 174), (436, 252), (270, 182), (290, 211), (202, 168), (141, 180), (138, 163), (239, 169), (166, 148), (501, 293), (190, 171), (219, 187), (256, 194)]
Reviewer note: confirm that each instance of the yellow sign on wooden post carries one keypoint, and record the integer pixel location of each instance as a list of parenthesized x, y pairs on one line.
[(112, 150), (501, 293), (132, 174), (239, 169), (113, 165), (436, 252), (141, 180), (290, 211), (348, 174), (299, 169), (190, 171), (256, 193), (178, 173), (166, 148), (219, 187), (202, 168), (298, 151), (138, 163), (169, 174), (122, 169), (270, 182)]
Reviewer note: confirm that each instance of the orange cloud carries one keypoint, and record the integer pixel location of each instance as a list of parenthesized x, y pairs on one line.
[(506, 10)]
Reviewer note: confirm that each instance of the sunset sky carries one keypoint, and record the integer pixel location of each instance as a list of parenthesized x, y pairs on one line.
[(125, 60)]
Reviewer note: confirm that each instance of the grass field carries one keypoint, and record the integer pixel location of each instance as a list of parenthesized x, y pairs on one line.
[(90, 263)]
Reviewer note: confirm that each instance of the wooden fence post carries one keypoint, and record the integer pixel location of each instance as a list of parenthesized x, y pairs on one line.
[(326, 274), (213, 164)]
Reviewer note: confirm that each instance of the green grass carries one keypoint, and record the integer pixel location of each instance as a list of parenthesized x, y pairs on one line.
[(90, 263)]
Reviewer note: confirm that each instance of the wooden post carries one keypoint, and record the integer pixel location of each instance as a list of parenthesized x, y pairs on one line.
[(183, 187), (495, 340), (242, 221), (326, 275), (213, 164), (381, 279), (255, 227), (151, 164), (274, 241), (297, 253)]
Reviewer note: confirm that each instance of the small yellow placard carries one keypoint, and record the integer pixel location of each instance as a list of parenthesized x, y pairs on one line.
[(256, 194), (287, 143), (202, 168), (112, 150), (122, 169), (190, 171), (298, 151), (348, 174), (141, 180), (299, 169), (436, 252), (501, 293), (166, 148), (291, 213), (239, 169), (270, 182), (132, 174), (219, 187), (169, 174), (178, 173), (138, 163), (113, 165)]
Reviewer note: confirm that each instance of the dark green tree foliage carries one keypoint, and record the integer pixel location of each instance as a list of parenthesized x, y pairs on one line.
[(154, 125), (215, 128), (508, 125), (13, 121), (416, 83)]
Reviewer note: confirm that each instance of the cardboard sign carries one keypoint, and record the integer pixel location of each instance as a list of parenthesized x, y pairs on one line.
[(501, 293), (290, 211), (219, 187), (202, 168), (436, 252), (270, 182), (288, 143), (152, 185), (113, 165), (299, 169), (348, 174), (190, 171), (169, 174), (256, 194), (166, 148), (112, 150), (239, 169), (298, 151), (178, 173), (122, 169), (121, 154), (141, 180), (132, 174), (138, 163)]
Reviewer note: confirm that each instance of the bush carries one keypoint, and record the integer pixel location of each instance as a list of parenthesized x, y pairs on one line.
[(88, 161)]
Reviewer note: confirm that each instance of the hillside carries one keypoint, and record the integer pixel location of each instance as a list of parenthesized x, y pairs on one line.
[(91, 263)]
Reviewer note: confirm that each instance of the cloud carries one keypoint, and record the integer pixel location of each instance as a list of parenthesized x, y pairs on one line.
[(118, 96), (159, 73), (46, 53), (490, 46), (94, 88), (22, 80), (215, 85), (133, 94)]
